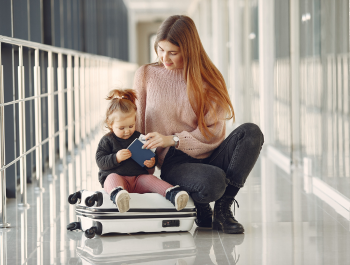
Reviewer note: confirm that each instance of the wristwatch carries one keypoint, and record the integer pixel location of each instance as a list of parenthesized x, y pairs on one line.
[(176, 140)]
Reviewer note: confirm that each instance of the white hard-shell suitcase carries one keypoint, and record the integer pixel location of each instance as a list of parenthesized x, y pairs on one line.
[(149, 212), (150, 249)]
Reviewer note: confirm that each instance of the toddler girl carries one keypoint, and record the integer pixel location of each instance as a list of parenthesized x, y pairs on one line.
[(119, 174)]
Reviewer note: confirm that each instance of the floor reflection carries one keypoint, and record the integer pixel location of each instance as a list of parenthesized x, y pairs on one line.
[(155, 248), (215, 247), (202, 247)]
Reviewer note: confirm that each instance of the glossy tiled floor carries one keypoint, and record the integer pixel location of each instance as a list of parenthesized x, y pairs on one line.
[(284, 225)]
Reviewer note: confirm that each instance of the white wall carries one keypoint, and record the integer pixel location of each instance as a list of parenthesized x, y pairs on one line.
[(144, 31)]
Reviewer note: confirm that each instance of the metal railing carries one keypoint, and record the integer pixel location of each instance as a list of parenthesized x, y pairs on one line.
[(75, 84)]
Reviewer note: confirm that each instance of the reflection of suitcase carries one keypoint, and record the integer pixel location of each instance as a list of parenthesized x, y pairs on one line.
[(148, 212), (151, 249)]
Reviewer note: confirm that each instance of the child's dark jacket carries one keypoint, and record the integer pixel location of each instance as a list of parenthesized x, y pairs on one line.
[(106, 159)]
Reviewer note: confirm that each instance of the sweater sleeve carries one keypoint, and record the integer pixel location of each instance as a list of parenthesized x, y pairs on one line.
[(196, 145), (105, 158), (140, 88)]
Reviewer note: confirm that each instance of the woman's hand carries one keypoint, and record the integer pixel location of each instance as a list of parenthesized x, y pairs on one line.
[(150, 163), (123, 154), (155, 139)]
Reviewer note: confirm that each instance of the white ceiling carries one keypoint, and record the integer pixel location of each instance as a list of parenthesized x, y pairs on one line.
[(153, 10)]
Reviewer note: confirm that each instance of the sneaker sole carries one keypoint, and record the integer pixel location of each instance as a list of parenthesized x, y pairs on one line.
[(123, 202), (181, 200)]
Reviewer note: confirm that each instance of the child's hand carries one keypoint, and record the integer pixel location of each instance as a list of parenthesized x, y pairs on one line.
[(150, 163), (123, 155)]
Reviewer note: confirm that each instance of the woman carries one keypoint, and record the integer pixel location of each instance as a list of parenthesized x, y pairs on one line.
[(183, 105)]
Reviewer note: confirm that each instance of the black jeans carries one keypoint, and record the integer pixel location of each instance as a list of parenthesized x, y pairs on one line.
[(225, 170)]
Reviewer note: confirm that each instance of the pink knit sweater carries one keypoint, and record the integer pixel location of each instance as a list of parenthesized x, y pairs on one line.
[(163, 106)]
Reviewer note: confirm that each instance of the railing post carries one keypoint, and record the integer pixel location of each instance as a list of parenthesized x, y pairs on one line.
[(38, 124), (61, 107), (22, 130), (88, 111), (87, 96), (51, 115), (3, 249), (39, 227), (24, 235), (3, 223), (82, 98), (92, 82), (83, 118), (77, 120), (96, 89), (77, 100), (70, 103)]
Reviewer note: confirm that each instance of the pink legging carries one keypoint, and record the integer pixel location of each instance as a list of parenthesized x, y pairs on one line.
[(139, 184)]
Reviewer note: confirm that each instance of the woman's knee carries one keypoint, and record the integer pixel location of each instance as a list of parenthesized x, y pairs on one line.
[(253, 134), (205, 183), (211, 188)]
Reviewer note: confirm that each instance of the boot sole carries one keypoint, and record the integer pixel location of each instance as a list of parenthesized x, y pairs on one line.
[(204, 225), (181, 200), (218, 226), (123, 202)]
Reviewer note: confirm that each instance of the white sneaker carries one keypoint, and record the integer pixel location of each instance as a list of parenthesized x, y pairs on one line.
[(181, 200), (122, 201)]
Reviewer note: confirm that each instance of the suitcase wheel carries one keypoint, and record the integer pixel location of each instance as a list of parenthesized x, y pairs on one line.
[(90, 233), (73, 226), (95, 199), (95, 246), (74, 198)]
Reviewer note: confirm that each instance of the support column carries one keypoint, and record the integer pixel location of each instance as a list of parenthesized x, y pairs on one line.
[(295, 80), (246, 86), (204, 26), (266, 73), (132, 37), (216, 32), (236, 48)]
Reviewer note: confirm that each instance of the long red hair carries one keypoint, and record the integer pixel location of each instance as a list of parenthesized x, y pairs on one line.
[(181, 31)]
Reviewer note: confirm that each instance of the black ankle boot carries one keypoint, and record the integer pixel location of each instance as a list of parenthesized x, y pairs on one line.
[(223, 217), (204, 215)]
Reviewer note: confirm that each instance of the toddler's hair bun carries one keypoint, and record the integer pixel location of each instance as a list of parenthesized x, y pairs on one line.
[(119, 97), (122, 94)]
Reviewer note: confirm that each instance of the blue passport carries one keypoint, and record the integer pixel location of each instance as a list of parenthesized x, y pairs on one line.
[(138, 154)]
